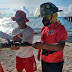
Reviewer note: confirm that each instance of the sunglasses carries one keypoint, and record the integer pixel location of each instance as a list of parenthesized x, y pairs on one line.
[(19, 20)]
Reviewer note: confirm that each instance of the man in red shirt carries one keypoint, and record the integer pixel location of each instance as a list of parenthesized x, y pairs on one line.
[(53, 37)]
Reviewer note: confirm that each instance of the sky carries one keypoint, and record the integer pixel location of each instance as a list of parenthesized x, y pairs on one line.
[(32, 3), (66, 5)]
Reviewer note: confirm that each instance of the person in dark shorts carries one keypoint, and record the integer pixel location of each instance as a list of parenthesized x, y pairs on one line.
[(53, 37)]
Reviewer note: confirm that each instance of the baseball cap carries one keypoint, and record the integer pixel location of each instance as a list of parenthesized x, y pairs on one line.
[(19, 15)]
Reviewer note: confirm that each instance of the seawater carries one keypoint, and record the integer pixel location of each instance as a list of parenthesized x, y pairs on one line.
[(7, 25)]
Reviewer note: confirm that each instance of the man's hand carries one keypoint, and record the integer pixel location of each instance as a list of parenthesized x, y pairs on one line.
[(14, 47), (17, 39)]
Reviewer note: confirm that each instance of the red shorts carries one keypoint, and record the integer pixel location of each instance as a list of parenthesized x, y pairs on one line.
[(28, 63), (1, 69)]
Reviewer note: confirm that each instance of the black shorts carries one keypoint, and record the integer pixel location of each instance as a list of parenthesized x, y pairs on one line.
[(52, 67)]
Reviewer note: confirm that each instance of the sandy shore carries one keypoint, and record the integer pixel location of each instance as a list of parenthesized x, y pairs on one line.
[(7, 58)]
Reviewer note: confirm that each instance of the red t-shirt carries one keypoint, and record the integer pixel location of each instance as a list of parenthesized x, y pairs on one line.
[(51, 35)]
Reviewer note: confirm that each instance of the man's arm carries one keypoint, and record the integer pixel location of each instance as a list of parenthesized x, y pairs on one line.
[(53, 47), (38, 56)]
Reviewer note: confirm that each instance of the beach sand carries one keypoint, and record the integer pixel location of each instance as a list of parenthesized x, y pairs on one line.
[(8, 57)]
